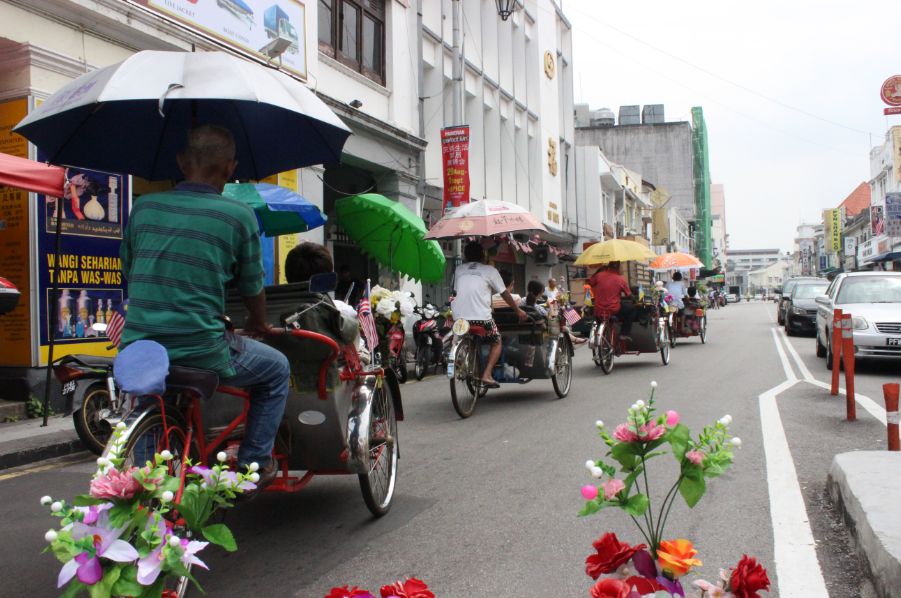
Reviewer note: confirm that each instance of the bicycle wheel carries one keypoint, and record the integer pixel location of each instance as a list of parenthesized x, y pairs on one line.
[(671, 324), (151, 436), (702, 332), (596, 344), (377, 486), (465, 386), (399, 364), (90, 423), (607, 348), (423, 353), (563, 368), (664, 343)]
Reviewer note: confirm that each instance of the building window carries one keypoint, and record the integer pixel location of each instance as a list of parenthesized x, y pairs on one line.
[(353, 32)]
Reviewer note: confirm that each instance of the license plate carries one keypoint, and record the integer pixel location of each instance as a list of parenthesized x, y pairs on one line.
[(893, 342), (69, 387)]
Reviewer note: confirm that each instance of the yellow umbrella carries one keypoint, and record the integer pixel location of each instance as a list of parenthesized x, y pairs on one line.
[(614, 250)]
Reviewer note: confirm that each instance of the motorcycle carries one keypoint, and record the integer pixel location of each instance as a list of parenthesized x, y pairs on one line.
[(432, 336), (100, 406)]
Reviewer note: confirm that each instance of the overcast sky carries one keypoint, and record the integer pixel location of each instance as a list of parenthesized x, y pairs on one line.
[(790, 91)]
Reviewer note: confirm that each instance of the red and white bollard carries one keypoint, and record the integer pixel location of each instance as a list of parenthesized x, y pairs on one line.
[(836, 344), (848, 360), (892, 418)]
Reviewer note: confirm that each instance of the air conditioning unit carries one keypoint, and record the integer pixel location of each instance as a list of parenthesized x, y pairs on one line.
[(544, 256)]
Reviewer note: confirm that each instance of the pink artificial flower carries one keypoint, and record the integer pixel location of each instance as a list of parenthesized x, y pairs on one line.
[(115, 485), (650, 432), (612, 488), (696, 457), (713, 591), (624, 434), (672, 418), (589, 492)]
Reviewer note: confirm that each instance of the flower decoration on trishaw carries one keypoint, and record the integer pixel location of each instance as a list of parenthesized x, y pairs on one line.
[(659, 566)]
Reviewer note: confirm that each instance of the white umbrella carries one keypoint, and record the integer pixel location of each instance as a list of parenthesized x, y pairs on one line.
[(132, 117), (485, 218)]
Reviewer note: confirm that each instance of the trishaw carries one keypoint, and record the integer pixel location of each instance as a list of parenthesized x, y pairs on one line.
[(649, 334), (341, 416), (538, 348), (689, 321)]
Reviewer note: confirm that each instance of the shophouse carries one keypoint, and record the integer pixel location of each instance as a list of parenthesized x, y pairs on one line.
[(515, 94), (743, 261), (883, 249), (856, 229)]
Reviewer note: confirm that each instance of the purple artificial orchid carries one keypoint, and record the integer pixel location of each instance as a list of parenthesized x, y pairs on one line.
[(191, 548), (92, 513), (644, 564), (106, 544), (149, 567), (227, 479), (672, 586)]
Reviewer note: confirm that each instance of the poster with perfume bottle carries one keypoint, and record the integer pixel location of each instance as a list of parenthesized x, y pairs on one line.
[(90, 271)]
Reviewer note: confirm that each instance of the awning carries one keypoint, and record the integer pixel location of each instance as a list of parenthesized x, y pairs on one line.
[(886, 257)]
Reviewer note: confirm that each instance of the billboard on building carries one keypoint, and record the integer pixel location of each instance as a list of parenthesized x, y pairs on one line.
[(877, 223), (893, 214), (248, 25), (832, 221), (455, 163)]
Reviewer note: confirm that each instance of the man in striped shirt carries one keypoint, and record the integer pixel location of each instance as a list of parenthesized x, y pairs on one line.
[(181, 248)]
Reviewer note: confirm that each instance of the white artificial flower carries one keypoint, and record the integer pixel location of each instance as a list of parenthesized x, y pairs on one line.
[(736, 442), (46, 500), (639, 403), (166, 455), (174, 541), (254, 466), (590, 465), (254, 477), (597, 472), (221, 456), (726, 420), (121, 426), (50, 536), (167, 496), (599, 424), (56, 507), (653, 384), (102, 461)]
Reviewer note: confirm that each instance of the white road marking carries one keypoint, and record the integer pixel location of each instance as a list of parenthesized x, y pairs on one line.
[(871, 406), (797, 567)]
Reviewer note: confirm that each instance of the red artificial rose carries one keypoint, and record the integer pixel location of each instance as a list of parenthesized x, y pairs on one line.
[(748, 577), (347, 592), (610, 588), (611, 553), (644, 585), (411, 588)]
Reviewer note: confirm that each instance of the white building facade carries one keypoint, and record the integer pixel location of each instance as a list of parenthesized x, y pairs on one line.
[(885, 179)]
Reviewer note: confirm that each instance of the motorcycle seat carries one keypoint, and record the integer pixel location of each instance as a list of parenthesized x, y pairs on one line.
[(93, 361), (202, 383)]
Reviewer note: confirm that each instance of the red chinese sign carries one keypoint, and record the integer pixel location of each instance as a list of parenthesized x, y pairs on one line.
[(455, 159)]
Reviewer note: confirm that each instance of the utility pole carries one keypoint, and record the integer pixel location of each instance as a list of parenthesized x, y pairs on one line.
[(457, 83)]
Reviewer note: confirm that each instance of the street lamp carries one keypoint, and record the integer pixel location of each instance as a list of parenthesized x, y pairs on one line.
[(505, 8)]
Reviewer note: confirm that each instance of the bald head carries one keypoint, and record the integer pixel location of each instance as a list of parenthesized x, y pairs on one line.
[(208, 156)]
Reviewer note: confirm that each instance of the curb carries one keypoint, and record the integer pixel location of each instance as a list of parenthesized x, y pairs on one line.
[(26, 453), (859, 485)]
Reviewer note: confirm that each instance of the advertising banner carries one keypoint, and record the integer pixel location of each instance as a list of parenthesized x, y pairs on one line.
[(877, 223), (850, 246), (90, 272), (806, 247), (15, 326), (893, 214), (455, 164), (245, 24), (835, 241), (283, 243)]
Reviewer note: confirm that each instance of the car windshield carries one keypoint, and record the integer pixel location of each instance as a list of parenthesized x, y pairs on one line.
[(870, 289), (809, 291)]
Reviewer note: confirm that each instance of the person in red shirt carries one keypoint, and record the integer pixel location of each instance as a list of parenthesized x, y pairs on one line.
[(606, 286)]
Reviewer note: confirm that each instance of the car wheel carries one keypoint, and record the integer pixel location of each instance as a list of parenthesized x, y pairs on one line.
[(821, 350), (828, 352)]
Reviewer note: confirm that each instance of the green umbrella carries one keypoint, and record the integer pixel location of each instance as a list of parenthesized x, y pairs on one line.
[(391, 234)]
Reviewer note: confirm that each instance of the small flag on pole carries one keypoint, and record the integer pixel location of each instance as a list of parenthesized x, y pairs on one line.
[(117, 323), (571, 316), (367, 322)]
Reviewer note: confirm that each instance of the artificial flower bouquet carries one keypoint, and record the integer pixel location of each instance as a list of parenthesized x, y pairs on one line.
[(409, 588), (133, 531), (657, 566), (391, 305)]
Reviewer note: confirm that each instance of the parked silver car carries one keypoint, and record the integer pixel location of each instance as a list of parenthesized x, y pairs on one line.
[(874, 301)]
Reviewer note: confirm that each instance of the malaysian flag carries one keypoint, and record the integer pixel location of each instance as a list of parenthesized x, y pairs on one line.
[(367, 322), (571, 315), (117, 323)]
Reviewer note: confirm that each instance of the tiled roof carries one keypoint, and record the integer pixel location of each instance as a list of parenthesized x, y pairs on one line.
[(858, 201)]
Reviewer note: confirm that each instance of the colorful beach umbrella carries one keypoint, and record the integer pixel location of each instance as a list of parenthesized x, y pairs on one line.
[(485, 218)]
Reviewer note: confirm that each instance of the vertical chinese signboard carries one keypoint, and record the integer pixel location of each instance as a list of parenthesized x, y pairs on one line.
[(455, 162), (893, 215), (93, 210), (832, 220), (15, 327)]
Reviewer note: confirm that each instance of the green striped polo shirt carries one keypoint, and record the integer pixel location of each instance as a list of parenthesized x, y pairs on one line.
[(180, 249)]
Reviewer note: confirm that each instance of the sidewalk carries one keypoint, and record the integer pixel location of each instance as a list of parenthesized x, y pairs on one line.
[(27, 441), (866, 485)]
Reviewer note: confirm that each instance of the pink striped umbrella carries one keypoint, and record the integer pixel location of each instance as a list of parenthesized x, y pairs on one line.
[(485, 218)]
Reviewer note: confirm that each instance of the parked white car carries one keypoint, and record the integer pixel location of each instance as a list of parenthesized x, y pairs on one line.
[(874, 301)]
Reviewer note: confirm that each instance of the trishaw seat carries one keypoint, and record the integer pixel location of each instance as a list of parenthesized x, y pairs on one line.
[(200, 382)]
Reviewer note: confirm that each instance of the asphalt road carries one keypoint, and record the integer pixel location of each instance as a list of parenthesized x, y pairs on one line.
[(486, 507)]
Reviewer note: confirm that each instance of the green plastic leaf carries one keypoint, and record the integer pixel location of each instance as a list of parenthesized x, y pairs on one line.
[(607, 468), (73, 589), (590, 508), (104, 587), (636, 505), (220, 535), (630, 479), (679, 438), (692, 489), (625, 454), (127, 584), (85, 500), (121, 514)]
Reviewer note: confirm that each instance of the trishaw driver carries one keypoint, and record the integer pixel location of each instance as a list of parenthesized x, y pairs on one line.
[(180, 249), (606, 285), (475, 283)]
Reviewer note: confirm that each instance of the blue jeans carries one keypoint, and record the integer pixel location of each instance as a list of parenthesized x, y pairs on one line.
[(263, 372)]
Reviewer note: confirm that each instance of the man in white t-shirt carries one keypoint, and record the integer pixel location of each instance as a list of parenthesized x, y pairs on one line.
[(475, 283), (676, 288), (551, 292)]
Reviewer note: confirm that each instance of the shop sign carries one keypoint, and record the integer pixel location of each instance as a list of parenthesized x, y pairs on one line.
[(877, 222), (455, 163), (873, 247), (15, 326), (832, 220), (891, 91), (248, 25), (893, 214), (822, 262), (94, 211), (850, 245)]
